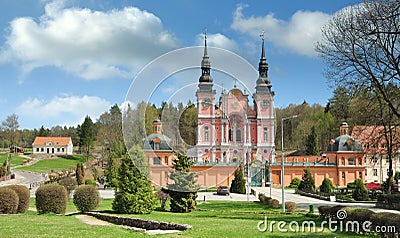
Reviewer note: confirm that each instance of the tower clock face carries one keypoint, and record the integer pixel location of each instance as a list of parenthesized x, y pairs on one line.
[(206, 102), (265, 103)]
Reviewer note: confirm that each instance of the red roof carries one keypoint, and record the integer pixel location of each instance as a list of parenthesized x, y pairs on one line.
[(373, 138), (58, 141)]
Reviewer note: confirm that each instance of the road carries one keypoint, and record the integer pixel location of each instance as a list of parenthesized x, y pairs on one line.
[(23, 178)]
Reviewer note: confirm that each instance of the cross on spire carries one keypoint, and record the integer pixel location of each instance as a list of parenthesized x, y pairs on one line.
[(262, 34)]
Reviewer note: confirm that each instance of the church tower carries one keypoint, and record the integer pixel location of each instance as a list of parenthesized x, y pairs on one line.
[(205, 108), (264, 107)]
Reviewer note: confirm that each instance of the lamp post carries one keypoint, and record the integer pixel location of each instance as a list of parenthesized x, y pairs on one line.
[(282, 162)]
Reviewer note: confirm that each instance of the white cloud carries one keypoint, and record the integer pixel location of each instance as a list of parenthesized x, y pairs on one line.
[(69, 110), (298, 34), (86, 43), (217, 40)]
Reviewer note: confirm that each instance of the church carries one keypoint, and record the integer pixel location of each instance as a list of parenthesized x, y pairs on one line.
[(234, 129), (231, 130)]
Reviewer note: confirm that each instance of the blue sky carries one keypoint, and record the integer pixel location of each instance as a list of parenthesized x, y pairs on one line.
[(63, 60)]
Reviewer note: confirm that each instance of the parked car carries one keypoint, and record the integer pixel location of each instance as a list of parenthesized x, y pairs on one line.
[(223, 190)]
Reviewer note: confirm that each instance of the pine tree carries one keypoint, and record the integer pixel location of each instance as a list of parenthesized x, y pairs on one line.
[(134, 194), (307, 183), (183, 191), (238, 183)]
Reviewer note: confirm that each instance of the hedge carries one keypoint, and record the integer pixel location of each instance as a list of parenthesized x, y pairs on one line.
[(23, 197), (86, 198)]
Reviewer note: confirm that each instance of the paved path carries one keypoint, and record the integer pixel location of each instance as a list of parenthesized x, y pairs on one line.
[(23, 178), (303, 202)]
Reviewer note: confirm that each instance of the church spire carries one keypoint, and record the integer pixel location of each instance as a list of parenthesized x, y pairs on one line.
[(263, 65), (205, 77), (263, 83)]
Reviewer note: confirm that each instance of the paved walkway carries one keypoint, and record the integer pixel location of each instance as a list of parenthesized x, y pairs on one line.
[(23, 178)]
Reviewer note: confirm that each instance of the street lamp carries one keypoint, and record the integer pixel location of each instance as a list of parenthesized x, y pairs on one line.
[(282, 162)]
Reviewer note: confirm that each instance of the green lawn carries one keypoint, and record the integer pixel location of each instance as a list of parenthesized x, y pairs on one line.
[(15, 159), (56, 164), (214, 219)]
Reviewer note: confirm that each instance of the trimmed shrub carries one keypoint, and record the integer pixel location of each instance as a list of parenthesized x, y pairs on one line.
[(69, 184), (261, 197), (326, 186), (334, 210), (274, 203), (86, 198), (324, 211), (290, 206), (295, 183), (385, 219), (8, 201), (238, 184), (23, 197), (360, 215), (51, 198)]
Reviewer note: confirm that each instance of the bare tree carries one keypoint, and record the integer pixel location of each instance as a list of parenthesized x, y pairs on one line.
[(361, 46), (11, 125)]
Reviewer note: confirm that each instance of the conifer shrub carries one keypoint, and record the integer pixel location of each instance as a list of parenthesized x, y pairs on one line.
[(51, 198), (290, 206), (295, 183), (8, 201), (23, 197), (326, 186), (86, 198), (307, 183), (360, 193), (238, 184), (134, 194)]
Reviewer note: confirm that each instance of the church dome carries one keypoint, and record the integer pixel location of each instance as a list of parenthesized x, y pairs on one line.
[(344, 142), (236, 92), (153, 139)]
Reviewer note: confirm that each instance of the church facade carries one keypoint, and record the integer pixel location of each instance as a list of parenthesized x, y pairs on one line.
[(233, 129)]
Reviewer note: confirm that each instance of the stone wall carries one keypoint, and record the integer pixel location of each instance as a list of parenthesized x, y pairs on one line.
[(139, 223)]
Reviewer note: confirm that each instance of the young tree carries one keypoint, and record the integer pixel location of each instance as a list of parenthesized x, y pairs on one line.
[(307, 183), (183, 191), (360, 47), (134, 192), (11, 125), (238, 183), (312, 143)]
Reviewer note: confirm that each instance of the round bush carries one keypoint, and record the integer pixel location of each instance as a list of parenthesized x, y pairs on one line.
[(86, 198), (51, 198), (290, 206), (274, 203), (8, 201), (23, 197)]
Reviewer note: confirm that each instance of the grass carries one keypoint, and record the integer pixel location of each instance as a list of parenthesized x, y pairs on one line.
[(15, 159), (56, 164), (213, 219)]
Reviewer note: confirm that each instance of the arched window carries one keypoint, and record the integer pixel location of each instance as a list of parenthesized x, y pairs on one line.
[(206, 133), (265, 134)]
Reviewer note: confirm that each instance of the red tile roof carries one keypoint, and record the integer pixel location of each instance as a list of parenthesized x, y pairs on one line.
[(373, 138), (58, 141)]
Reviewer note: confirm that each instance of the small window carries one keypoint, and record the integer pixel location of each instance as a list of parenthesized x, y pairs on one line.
[(157, 146), (375, 159), (360, 174), (350, 161), (62, 149), (42, 149), (375, 172), (166, 159), (206, 136), (156, 160), (366, 173), (37, 149), (343, 175), (342, 161), (265, 137)]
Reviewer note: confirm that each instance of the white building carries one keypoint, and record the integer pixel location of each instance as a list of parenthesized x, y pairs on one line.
[(52, 145)]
